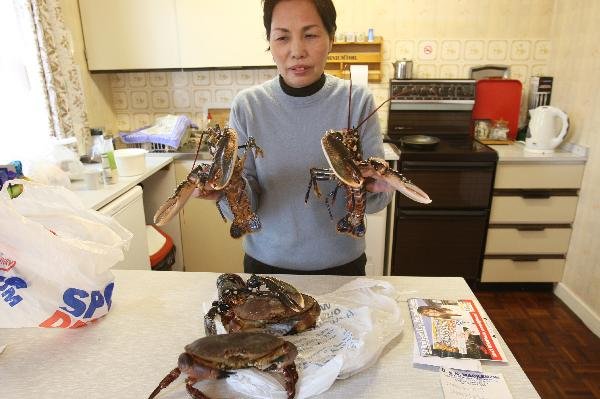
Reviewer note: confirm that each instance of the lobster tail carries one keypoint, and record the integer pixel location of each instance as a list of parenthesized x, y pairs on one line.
[(247, 226), (346, 225)]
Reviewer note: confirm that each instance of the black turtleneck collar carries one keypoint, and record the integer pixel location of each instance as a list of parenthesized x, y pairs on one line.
[(302, 91)]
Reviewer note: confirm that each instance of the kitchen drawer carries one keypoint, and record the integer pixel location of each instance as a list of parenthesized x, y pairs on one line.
[(505, 270), (517, 209), (528, 176), (526, 239)]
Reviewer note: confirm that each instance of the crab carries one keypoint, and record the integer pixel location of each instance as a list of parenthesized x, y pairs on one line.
[(215, 356), (263, 303)]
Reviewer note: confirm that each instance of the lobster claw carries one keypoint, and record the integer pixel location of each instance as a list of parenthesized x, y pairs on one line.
[(413, 192), (399, 182), (174, 203)]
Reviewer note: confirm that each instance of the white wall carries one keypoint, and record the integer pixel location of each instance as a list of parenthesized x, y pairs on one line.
[(575, 64)]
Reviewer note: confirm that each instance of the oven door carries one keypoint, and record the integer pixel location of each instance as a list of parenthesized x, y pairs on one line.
[(450, 185), (439, 243)]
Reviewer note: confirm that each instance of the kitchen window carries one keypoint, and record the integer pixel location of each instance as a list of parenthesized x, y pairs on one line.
[(41, 94), (24, 125)]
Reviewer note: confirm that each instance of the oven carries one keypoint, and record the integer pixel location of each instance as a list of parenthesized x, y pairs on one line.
[(446, 237)]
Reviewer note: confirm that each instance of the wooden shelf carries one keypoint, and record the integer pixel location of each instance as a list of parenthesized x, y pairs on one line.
[(344, 54)]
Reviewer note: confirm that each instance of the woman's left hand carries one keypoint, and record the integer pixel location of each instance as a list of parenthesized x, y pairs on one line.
[(375, 181)]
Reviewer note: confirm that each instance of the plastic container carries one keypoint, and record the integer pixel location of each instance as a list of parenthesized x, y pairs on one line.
[(130, 161), (160, 249), (97, 145)]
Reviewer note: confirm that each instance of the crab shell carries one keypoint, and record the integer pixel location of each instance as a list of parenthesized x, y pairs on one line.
[(279, 310), (240, 350), (268, 313)]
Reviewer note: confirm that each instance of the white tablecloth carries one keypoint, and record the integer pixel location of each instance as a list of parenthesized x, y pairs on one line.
[(155, 314)]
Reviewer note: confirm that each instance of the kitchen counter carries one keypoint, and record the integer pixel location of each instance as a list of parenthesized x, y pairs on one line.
[(96, 199), (390, 152), (154, 314), (515, 152)]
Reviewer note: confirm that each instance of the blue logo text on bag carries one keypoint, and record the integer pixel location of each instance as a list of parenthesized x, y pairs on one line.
[(9, 287), (80, 304)]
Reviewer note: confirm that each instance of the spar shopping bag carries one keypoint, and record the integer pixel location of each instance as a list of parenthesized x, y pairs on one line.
[(55, 258)]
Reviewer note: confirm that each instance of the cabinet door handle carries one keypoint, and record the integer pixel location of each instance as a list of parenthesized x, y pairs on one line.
[(531, 228), (525, 258), (537, 194)]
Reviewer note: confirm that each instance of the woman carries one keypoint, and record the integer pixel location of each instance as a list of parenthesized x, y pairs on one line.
[(288, 116)]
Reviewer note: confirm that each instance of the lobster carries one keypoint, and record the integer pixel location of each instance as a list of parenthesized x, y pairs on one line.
[(343, 152), (224, 173)]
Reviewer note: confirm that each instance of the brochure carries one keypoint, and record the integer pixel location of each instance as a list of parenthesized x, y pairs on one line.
[(453, 328), (461, 384)]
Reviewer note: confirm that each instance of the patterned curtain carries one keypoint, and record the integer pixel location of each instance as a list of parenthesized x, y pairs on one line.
[(57, 68)]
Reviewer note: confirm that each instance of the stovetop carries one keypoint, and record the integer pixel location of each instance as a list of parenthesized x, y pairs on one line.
[(449, 149)]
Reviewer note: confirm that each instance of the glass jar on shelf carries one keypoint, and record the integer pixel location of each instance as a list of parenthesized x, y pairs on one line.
[(499, 130), (481, 129)]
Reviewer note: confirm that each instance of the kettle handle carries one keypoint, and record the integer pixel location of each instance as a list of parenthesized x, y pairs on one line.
[(565, 125)]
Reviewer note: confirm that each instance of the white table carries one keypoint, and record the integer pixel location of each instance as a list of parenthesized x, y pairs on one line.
[(154, 314)]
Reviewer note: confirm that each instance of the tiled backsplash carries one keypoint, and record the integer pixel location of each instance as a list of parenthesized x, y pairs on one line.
[(138, 98)]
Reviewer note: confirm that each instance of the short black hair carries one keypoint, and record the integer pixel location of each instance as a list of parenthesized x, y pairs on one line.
[(325, 8)]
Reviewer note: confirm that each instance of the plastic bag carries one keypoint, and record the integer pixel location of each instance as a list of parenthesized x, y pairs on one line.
[(55, 257), (357, 321)]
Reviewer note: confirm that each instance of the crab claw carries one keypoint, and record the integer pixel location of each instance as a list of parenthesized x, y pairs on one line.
[(173, 205)]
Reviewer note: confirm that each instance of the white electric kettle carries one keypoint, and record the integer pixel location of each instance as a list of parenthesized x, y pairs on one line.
[(543, 134)]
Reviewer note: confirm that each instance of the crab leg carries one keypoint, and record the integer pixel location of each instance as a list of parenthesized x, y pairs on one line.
[(172, 376), (286, 293), (194, 392)]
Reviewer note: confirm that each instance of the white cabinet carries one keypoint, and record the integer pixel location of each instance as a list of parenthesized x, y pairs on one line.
[(130, 34), (128, 210), (224, 33), (375, 243), (157, 188), (207, 245), (533, 207), (160, 34)]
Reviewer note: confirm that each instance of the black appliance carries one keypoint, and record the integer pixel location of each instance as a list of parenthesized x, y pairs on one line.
[(446, 237)]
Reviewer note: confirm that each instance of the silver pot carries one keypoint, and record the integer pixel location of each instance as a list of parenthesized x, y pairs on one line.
[(403, 69)]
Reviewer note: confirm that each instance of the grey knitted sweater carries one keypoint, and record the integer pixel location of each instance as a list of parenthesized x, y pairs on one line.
[(296, 235)]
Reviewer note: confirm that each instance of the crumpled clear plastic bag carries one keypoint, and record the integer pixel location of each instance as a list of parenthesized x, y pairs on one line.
[(357, 321), (55, 258)]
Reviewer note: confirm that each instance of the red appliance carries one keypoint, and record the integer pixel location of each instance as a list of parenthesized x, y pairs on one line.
[(499, 99)]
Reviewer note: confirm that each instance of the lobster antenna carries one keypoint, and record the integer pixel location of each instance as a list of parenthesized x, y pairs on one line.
[(198, 149), (349, 96), (372, 112)]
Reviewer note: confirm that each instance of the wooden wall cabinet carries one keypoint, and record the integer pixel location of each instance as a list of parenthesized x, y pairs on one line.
[(533, 208), (344, 54), (129, 34)]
